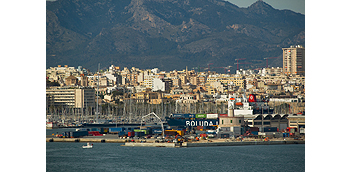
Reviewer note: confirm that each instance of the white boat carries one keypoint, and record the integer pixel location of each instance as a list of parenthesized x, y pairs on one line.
[(88, 146)]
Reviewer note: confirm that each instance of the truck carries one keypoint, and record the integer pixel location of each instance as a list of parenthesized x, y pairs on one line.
[(211, 133)]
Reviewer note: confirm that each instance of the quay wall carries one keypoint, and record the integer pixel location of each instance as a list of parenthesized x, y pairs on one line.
[(231, 143), (85, 140), (185, 144)]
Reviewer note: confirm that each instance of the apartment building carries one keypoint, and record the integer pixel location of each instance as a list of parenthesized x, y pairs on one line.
[(294, 60), (161, 84), (77, 98), (148, 80), (61, 72)]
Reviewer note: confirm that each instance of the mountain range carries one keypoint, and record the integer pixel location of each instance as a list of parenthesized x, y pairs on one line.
[(168, 34)]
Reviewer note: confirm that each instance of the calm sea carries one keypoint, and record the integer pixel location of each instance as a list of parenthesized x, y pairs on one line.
[(61, 156)]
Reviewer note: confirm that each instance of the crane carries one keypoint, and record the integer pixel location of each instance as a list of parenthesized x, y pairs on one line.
[(269, 58), (208, 66), (162, 126), (237, 61), (242, 63), (225, 68)]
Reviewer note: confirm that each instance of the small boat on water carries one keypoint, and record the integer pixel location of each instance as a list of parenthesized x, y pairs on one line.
[(88, 146)]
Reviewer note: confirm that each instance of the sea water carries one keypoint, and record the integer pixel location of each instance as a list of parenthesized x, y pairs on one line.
[(70, 156)]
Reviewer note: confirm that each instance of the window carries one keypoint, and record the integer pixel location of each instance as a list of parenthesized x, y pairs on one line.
[(222, 121), (239, 121), (231, 121)]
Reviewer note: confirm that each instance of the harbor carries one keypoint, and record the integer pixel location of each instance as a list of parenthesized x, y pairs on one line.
[(236, 128)]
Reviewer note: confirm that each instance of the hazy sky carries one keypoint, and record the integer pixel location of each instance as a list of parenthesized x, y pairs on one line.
[(293, 5)]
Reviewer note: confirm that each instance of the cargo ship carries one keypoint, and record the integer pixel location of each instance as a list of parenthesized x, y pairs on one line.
[(193, 120)]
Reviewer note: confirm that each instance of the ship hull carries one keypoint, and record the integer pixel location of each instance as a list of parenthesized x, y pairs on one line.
[(192, 122)]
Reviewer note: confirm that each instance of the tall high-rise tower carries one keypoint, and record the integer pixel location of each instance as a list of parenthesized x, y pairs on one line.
[(294, 60)]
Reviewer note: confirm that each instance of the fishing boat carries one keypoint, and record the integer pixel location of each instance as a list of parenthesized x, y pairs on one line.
[(88, 146)]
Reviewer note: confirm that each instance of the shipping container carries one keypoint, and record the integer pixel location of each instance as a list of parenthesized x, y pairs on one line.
[(157, 131), (104, 130), (201, 115), (115, 130), (180, 132), (94, 133), (212, 116), (131, 134), (144, 131), (254, 132), (139, 134), (121, 133), (66, 134), (75, 134), (95, 129), (170, 132), (203, 135), (270, 129)]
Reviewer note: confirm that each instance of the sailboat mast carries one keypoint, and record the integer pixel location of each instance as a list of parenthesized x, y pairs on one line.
[(97, 109)]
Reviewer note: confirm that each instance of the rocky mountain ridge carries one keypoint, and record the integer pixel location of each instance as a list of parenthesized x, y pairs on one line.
[(169, 34)]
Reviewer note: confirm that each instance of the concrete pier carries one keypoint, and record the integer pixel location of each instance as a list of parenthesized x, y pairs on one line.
[(133, 144)]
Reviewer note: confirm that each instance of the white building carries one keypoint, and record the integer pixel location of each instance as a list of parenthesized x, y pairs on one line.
[(148, 80), (158, 84)]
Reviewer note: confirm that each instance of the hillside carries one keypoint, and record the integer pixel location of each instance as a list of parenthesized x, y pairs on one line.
[(169, 34)]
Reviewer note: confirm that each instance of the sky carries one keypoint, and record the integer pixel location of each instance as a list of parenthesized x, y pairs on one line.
[(293, 5)]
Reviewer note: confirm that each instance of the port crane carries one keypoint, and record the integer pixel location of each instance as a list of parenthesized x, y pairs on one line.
[(152, 113)]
